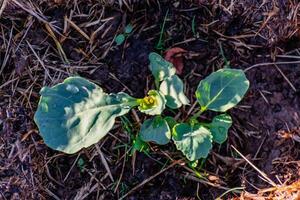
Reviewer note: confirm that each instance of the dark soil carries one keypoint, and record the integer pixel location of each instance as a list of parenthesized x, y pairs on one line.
[(266, 123)]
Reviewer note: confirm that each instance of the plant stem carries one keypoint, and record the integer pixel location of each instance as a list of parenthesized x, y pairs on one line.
[(195, 116), (227, 63), (133, 103), (156, 84)]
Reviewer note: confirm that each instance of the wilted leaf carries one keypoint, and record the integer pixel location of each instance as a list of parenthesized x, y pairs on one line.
[(172, 88), (77, 113), (219, 127), (160, 68), (195, 141), (222, 89), (155, 130), (175, 56)]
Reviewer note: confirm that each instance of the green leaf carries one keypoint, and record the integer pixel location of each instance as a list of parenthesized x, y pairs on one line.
[(171, 121), (172, 88), (222, 89), (219, 127), (193, 164), (139, 145), (155, 130), (80, 164), (120, 39), (195, 141), (128, 29), (160, 68), (77, 113), (153, 104)]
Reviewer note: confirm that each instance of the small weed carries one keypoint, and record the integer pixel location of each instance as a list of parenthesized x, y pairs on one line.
[(121, 37), (196, 34), (160, 44)]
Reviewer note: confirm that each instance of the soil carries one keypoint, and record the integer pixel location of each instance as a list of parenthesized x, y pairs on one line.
[(266, 126)]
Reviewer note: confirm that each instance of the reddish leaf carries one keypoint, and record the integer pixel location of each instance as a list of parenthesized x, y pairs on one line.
[(175, 56)]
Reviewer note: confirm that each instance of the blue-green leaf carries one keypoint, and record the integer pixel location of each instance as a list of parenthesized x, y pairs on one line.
[(171, 121), (77, 113), (155, 130), (195, 141), (160, 68), (222, 89), (120, 39), (172, 88), (128, 29), (139, 145), (219, 127)]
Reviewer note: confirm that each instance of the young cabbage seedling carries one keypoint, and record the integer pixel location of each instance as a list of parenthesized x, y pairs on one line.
[(121, 37), (77, 113), (219, 92)]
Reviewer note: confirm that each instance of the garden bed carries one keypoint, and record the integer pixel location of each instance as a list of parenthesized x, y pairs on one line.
[(43, 42)]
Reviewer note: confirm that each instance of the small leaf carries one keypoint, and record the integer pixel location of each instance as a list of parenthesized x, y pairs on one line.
[(153, 104), (80, 164), (175, 56), (172, 88), (120, 39), (155, 130), (219, 127), (222, 89), (195, 141), (77, 113), (160, 68), (139, 145), (128, 29), (171, 121)]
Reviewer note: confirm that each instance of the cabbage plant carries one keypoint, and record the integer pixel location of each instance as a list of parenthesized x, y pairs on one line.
[(77, 113)]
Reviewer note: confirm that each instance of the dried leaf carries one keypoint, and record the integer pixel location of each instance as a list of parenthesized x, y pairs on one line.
[(175, 56)]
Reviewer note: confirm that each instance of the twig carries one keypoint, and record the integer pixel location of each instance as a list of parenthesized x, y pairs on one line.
[(264, 175), (203, 181), (4, 3), (58, 45), (104, 162), (71, 168), (230, 190), (271, 63), (8, 50), (31, 12), (150, 178), (287, 80), (52, 194), (123, 167), (40, 60), (78, 29)]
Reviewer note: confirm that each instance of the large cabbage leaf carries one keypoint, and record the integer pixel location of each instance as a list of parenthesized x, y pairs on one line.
[(222, 89), (77, 113)]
